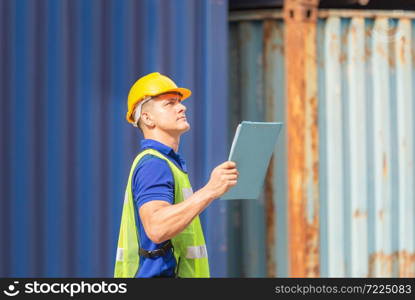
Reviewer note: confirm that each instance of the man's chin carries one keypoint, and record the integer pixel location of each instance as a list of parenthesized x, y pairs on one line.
[(186, 128), (182, 129)]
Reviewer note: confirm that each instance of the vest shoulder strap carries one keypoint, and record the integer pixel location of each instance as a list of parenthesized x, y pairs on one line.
[(156, 154)]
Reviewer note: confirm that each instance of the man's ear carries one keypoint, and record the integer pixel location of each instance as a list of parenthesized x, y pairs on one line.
[(147, 119)]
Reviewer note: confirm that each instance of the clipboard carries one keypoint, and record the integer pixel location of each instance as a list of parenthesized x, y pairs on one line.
[(251, 150)]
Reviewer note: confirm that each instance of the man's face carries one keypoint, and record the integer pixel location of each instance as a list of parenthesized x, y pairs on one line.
[(168, 113)]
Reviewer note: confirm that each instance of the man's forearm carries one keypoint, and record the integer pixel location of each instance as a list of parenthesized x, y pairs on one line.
[(169, 221)]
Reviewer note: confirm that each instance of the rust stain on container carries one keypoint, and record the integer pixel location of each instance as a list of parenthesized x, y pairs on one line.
[(381, 51), (353, 32), (278, 29), (385, 265), (402, 47), (270, 46), (367, 55), (392, 55), (380, 265), (270, 220), (315, 139), (270, 26), (368, 46), (302, 133), (406, 263), (343, 58), (385, 165), (313, 227), (312, 248), (267, 31), (381, 214), (359, 214)]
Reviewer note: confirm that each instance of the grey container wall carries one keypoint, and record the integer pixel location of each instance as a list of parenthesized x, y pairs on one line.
[(255, 63), (366, 68), (66, 67)]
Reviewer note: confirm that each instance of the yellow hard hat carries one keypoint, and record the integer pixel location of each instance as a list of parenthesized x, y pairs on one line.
[(152, 84)]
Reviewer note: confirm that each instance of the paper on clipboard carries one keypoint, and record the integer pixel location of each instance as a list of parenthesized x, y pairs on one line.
[(251, 149)]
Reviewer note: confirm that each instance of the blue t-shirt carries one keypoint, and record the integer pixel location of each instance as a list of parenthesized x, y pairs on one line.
[(153, 180)]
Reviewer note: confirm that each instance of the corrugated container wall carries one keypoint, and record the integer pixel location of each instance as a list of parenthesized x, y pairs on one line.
[(366, 205), (65, 71)]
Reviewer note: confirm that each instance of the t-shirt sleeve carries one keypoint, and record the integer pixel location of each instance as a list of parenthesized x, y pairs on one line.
[(152, 180)]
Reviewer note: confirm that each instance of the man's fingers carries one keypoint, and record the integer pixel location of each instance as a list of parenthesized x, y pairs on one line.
[(229, 164), (233, 182), (230, 171), (231, 177)]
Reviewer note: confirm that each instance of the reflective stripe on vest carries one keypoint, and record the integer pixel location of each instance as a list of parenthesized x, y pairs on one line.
[(189, 245), (196, 251)]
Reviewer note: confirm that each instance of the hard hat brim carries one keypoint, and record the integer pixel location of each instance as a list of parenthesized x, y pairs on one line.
[(186, 93)]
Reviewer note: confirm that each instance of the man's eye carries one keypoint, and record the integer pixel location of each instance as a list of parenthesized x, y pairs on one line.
[(172, 101)]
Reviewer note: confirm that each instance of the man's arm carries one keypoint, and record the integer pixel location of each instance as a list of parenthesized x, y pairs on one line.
[(162, 220)]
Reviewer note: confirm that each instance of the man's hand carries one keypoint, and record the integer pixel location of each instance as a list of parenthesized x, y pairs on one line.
[(222, 178)]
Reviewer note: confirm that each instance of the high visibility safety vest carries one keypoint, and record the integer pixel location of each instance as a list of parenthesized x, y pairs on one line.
[(189, 246)]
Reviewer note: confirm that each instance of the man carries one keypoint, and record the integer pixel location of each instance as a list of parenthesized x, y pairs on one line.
[(160, 234)]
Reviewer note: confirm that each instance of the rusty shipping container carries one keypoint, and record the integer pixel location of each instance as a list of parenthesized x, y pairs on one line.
[(356, 217)]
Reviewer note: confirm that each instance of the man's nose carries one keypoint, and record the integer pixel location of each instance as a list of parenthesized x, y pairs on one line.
[(182, 107)]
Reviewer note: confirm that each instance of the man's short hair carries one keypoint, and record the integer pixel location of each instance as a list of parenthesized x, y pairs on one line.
[(138, 110)]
